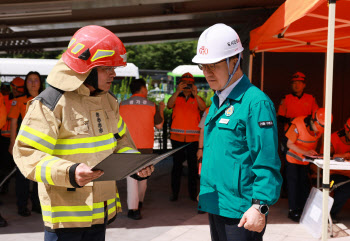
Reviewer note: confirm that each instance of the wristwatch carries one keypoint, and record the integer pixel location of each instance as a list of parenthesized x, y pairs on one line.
[(262, 208)]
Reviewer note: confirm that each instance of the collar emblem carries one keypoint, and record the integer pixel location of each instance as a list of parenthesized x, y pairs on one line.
[(229, 111)]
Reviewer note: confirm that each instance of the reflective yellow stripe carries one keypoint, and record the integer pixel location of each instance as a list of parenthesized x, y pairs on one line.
[(85, 150), (121, 127), (78, 213), (66, 208), (100, 53), (43, 169), (84, 140), (39, 134), (34, 144), (48, 171), (128, 150), (85, 145)]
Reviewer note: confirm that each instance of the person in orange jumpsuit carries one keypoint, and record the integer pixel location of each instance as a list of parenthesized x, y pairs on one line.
[(32, 87), (141, 116), (3, 115), (340, 147), (186, 105), (293, 105), (15, 89), (303, 135)]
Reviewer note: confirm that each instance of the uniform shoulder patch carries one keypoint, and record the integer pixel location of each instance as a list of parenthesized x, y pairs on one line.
[(14, 102), (265, 123), (50, 96)]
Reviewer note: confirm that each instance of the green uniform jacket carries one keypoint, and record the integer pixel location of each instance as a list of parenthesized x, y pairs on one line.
[(240, 159)]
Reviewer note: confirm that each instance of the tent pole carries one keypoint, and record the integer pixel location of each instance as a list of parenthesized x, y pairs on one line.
[(328, 106), (250, 67), (262, 71)]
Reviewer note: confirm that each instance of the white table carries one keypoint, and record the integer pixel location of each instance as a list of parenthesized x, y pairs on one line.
[(333, 165)]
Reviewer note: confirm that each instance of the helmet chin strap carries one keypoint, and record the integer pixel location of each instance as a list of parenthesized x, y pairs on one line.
[(233, 72), (92, 80)]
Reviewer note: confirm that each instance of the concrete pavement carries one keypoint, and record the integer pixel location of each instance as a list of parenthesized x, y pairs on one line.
[(163, 220)]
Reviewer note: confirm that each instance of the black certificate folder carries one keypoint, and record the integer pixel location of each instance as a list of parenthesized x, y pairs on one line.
[(118, 166)]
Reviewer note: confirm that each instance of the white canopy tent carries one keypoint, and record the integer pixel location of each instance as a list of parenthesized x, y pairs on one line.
[(11, 67)]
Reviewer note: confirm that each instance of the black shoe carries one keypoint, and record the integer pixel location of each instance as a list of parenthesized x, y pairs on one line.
[(140, 205), (201, 212), (24, 212), (134, 214), (294, 215), (173, 198), (3, 222), (36, 209)]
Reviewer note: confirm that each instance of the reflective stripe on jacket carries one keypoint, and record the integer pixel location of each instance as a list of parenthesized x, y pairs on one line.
[(305, 141), (138, 113), (77, 128)]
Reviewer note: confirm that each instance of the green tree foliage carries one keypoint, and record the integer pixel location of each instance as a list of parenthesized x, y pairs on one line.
[(162, 56)]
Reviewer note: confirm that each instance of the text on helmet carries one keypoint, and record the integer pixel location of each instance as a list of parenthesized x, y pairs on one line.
[(236, 41), (203, 50)]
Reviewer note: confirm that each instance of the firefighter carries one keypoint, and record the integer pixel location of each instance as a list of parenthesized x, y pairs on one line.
[(240, 176), (70, 127), (142, 132), (186, 105), (303, 135), (340, 148)]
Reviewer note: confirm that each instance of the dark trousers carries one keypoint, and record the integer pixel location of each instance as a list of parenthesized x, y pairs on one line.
[(6, 161), (341, 194), (96, 233), (188, 153), (226, 229), (298, 184), (23, 192)]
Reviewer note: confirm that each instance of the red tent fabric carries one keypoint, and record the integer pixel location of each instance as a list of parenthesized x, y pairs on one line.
[(301, 26)]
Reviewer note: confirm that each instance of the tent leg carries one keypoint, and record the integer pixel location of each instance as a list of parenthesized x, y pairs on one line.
[(328, 106)]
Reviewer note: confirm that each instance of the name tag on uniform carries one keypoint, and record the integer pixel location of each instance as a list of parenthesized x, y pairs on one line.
[(224, 121)]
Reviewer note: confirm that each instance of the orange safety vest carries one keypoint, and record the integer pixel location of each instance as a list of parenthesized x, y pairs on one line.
[(3, 111), (305, 141), (138, 114), (185, 118), (19, 107), (5, 131), (340, 146), (291, 106)]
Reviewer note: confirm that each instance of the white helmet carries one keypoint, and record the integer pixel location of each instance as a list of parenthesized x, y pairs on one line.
[(216, 43)]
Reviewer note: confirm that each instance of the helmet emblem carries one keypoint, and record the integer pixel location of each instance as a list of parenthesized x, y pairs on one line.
[(203, 50), (124, 57)]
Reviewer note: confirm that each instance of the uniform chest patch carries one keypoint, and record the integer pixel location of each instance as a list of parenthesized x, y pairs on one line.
[(229, 111), (14, 102), (224, 121), (99, 122)]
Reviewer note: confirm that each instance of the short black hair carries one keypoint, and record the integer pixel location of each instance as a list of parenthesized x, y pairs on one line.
[(136, 85)]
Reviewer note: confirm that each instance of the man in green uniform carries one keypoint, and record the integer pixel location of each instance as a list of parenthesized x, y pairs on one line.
[(240, 175)]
